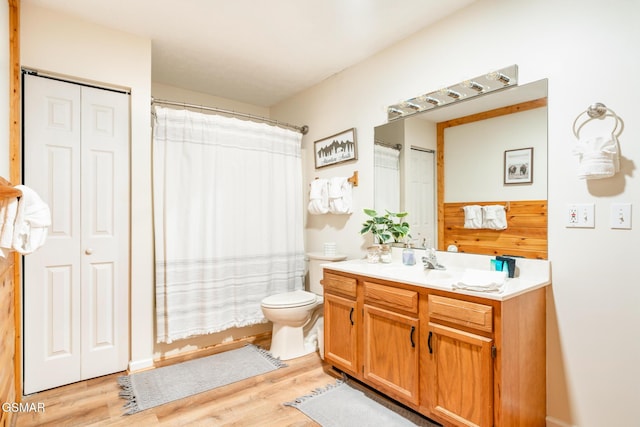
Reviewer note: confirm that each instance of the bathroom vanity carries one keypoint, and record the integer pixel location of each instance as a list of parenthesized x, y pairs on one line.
[(462, 358)]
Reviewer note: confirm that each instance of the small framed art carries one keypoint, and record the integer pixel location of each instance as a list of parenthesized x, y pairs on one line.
[(337, 148), (518, 166)]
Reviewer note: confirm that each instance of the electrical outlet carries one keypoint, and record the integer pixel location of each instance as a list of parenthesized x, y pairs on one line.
[(620, 216), (572, 216), (580, 215)]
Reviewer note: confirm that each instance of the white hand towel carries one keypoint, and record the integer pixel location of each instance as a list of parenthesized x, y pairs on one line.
[(33, 219), (598, 156), (318, 197), (472, 216), (7, 220), (340, 196), (481, 281), (494, 217)]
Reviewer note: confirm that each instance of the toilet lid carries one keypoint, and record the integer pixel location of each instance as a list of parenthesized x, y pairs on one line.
[(289, 299)]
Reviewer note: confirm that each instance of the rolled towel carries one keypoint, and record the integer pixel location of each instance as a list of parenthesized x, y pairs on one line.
[(340, 196), (7, 220), (599, 157), (481, 281), (472, 216), (494, 217), (318, 197), (33, 219)]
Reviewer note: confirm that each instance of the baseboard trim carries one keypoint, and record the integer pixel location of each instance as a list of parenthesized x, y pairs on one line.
[(213, 349), (554, 422), (138, 365)]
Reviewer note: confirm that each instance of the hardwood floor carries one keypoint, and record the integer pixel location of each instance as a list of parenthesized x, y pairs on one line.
[(255, 401)]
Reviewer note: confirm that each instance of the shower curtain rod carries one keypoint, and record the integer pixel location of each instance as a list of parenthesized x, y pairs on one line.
[(386, 144), (302, 129)]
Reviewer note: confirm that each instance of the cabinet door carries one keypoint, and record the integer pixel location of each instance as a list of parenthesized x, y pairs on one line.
[(391, 353), (461, 370), (340, 332)]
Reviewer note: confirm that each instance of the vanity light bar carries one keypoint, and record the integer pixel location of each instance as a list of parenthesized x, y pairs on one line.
[(467, 89)]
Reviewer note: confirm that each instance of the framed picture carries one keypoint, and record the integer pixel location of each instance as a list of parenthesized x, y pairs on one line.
[(337, 148), (518, 166)]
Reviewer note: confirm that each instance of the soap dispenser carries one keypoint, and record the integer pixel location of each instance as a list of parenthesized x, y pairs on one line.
[(408, 255)]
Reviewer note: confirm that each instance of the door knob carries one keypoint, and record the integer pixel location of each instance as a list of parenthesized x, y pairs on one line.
[(88, 251)]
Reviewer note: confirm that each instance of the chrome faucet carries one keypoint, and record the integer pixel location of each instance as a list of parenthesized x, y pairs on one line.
[(430, 261)]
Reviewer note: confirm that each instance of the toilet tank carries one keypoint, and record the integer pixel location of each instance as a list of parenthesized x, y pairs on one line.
[(316, 259)]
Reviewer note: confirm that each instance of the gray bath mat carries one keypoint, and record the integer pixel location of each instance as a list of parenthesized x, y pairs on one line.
[(155, 387), (342, 405)]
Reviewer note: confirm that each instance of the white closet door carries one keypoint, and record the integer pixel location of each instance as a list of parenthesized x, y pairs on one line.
[(421, 200), (76, 143), (104, 255)]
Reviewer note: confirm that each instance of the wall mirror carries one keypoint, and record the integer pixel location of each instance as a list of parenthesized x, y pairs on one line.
[(434, 163)]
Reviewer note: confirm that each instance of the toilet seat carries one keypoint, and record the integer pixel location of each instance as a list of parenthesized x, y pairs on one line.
[(292, 299)]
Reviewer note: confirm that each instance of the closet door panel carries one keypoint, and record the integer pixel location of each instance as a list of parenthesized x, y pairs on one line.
[(105, 231), (52, 273)]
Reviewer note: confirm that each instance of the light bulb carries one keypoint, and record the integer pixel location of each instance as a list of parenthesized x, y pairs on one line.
[(499, 77), (470, 84)]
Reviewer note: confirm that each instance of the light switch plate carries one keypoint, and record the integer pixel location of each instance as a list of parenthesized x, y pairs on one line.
[(580, 215), (620, 217)]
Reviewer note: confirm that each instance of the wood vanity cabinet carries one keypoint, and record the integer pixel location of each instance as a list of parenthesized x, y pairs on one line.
[(460, 363), (458, 359), (340, 317), (391, 337)]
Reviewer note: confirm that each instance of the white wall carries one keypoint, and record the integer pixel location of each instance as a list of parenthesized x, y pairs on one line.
[(165, 92), (586, 50), (64, 45)]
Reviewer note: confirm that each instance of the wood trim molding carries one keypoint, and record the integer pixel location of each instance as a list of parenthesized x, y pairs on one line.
[(440, 128), (15, 173)]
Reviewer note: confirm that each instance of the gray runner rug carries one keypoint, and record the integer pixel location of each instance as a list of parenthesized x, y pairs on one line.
[(155, 387), (342, 405)]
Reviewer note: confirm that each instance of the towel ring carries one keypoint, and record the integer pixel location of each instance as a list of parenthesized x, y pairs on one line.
[(598, 111)]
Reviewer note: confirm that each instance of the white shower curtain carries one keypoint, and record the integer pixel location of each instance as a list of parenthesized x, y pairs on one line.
[(228, 220), (386, 178)]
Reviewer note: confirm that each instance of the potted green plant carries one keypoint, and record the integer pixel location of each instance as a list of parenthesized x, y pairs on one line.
[(387, 228), (399, 228)]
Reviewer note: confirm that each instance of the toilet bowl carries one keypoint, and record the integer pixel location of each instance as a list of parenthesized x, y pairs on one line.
[(290, 312), (295, 314)]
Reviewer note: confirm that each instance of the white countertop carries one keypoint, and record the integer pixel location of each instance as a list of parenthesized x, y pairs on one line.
[(530, 274)]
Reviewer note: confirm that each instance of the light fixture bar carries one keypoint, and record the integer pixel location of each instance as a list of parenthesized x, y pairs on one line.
[(459, 92)]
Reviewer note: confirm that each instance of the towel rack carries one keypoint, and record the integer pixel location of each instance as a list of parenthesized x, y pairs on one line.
[(353, 179), (7, 191), (598, 111), (507, 205)]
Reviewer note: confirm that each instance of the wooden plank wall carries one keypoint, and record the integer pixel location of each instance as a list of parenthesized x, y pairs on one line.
[(7, 339), (525, 235)]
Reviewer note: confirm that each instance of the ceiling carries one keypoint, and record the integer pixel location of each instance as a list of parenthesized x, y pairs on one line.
[(256, 51)]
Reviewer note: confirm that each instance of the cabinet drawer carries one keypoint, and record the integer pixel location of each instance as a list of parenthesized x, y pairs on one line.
[(388, 296), (339, 284), (465, 313)]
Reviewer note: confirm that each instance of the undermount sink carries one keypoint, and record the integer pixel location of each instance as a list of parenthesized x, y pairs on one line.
[(438, 274)]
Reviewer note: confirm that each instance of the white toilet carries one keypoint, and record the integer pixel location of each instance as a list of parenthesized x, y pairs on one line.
[(295, 314)]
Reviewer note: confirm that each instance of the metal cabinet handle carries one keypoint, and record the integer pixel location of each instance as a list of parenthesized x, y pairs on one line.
[(413, 329), (351, 316), (429, 342)]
